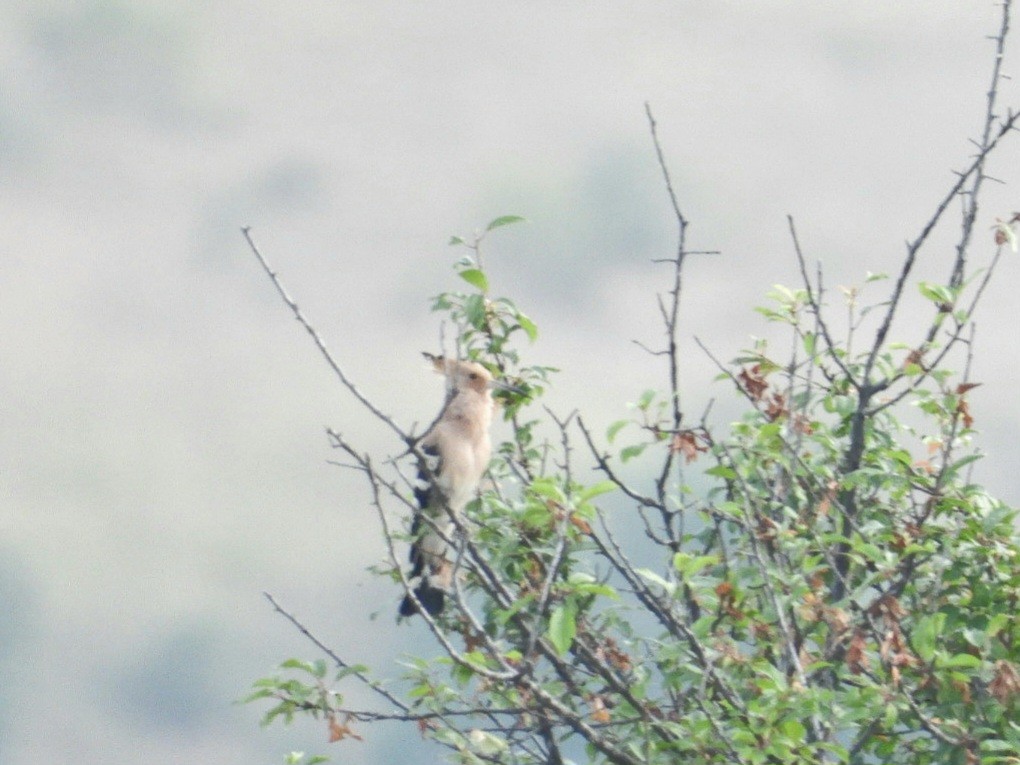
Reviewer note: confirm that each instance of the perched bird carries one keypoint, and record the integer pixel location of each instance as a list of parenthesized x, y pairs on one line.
[(457, 448)]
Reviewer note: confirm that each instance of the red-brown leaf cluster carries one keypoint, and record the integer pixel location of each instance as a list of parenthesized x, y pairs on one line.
[(425, 725), (580, 523), (856, 658), (727, 601), (963, 410), (825, 503), (599, 711), (1001, 228), (962, 407), (338, 731), (766, 529), (753, 382), (610, 653), (894, 649), (687, 443), (916, 356), (1005, 685), (776, 407)]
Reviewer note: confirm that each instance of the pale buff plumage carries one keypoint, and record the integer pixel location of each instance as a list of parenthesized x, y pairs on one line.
[(459, 448)]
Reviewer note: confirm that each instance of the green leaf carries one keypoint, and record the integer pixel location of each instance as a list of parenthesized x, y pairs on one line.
[(474, 311), (689, 565), (486, 743), (455, 240), (937, 293), (475, 278), (630, 452), (960, 661), (809, 343), (734, 509), (926, 634), (562, 628), (646, 399), (529, 327), (314, 668), (889, 716), (264, 693), (650, 576), (615, 428), (996, 624), (546, 487), (998, 745), (957, 466), (869, 551), (594, 588), (420, 691), (912, 370), (794, 730), (462, 673), (602, 487), (503, 220), (351, 670), (722, 471), (772, 315)]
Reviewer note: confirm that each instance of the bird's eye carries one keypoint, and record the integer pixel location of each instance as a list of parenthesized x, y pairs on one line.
[(473, 375)]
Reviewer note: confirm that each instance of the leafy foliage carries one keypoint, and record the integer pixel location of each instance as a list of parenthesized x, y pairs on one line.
[(839, 593), (836, 590)]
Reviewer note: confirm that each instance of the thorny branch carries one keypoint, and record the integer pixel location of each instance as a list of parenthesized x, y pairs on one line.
[(320, 343), (591, 689)]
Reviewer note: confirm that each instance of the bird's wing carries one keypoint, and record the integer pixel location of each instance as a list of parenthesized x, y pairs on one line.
[(425, 491), (430, 569)]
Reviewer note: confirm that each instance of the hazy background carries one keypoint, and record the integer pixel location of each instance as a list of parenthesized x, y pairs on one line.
[(162, 415)]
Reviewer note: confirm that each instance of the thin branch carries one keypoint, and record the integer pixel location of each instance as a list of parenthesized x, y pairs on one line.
[(665, 170), (815, 302), (602, 463), (671, 317), (334, 656), (914, 247), (973, 194), (321, 344)]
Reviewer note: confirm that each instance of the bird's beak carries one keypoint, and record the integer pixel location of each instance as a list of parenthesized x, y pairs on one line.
[(438, 362), (500, 385)]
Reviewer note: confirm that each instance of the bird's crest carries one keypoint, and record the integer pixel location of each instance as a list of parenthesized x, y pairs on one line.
[(460, 374)]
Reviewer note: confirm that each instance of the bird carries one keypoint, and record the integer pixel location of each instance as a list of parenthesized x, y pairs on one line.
[(457, 448)]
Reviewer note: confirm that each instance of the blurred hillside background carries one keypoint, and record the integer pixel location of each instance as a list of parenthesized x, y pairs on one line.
[(161, 414)]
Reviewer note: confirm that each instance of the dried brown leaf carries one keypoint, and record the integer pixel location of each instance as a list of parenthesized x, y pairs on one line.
[(776, 407), (753, 382), (686, 443), (856, 658), (599, 713), (915, 357), (963, 410), (338, 731), (580, 523), (1006, 683)]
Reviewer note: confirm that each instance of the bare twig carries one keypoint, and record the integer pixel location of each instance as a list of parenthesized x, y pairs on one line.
[(914, 247), (671, 314), (814, 300), (321, 344), (365, 680)]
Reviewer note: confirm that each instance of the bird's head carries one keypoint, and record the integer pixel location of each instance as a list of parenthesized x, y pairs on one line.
[(465, 375)]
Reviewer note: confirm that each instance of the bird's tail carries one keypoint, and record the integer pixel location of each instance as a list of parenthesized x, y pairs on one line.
[(430, 568), (431, 572), (432, 599)]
